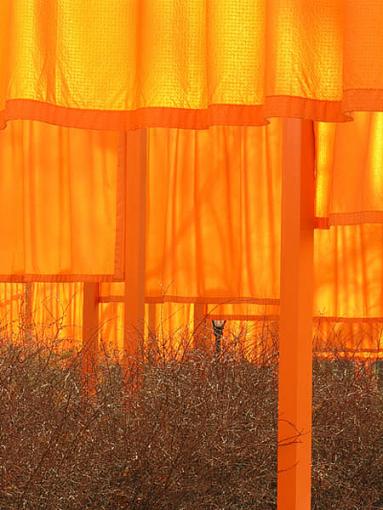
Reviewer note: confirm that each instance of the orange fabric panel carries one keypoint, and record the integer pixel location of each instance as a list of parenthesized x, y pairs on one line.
[(348, 277), (213, 207), (60, 206), (111, 332), (131, 63), (353, 338), (213, 214), (349, 271), (349, 170)]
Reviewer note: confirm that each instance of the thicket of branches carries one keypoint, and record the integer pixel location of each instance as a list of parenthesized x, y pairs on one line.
[(199, 433)]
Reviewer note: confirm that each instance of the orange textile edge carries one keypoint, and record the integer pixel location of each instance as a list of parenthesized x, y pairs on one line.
[(60, 278), (349, 218), (353, 218), (118, 269), (192, 300), (274, 317), (216, 114)]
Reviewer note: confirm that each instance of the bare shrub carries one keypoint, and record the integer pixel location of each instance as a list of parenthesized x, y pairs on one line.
[(348, 435), (199, 432)]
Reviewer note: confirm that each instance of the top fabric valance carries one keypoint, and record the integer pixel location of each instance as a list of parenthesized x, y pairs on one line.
[(120, 64)]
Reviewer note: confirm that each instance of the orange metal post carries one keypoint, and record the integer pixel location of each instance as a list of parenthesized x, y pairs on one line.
[(295, 351), (90, 328), (134, 161)]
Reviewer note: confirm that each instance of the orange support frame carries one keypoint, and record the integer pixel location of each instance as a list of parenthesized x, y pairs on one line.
[(90, 330), (295, 351), (134, 161)]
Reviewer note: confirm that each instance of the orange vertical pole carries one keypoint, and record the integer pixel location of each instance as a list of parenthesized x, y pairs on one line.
[(134, 161), (295, 350), (90, 329)]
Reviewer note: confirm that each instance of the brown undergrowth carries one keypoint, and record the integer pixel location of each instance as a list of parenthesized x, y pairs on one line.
[(199, 433)]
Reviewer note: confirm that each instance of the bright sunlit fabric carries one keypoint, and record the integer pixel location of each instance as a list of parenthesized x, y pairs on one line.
[(349, 176), (128, 63), (60, 204), (224, 70), (212, 209), (213, 216)]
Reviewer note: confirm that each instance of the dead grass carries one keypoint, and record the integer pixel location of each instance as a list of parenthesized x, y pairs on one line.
[(199, 434), (348, 436)]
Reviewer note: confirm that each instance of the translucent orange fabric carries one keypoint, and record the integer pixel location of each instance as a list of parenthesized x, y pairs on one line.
[(213, 195), (129, 63), (349, 179), (61, 204), (214, 216), (213, 213), (212, 209)]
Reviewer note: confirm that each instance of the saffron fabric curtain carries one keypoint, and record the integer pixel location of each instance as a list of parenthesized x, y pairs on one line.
[(213, 212), (128, 63), (61, 204), (223, 70), (349, 176)]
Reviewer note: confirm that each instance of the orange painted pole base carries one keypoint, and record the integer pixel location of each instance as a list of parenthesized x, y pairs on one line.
[(295, 350), (90, 331)]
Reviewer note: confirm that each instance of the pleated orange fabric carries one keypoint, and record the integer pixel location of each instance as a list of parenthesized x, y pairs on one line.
[(61, 204), (131, 63), (213, 213), (349, 177), (223, 70)]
